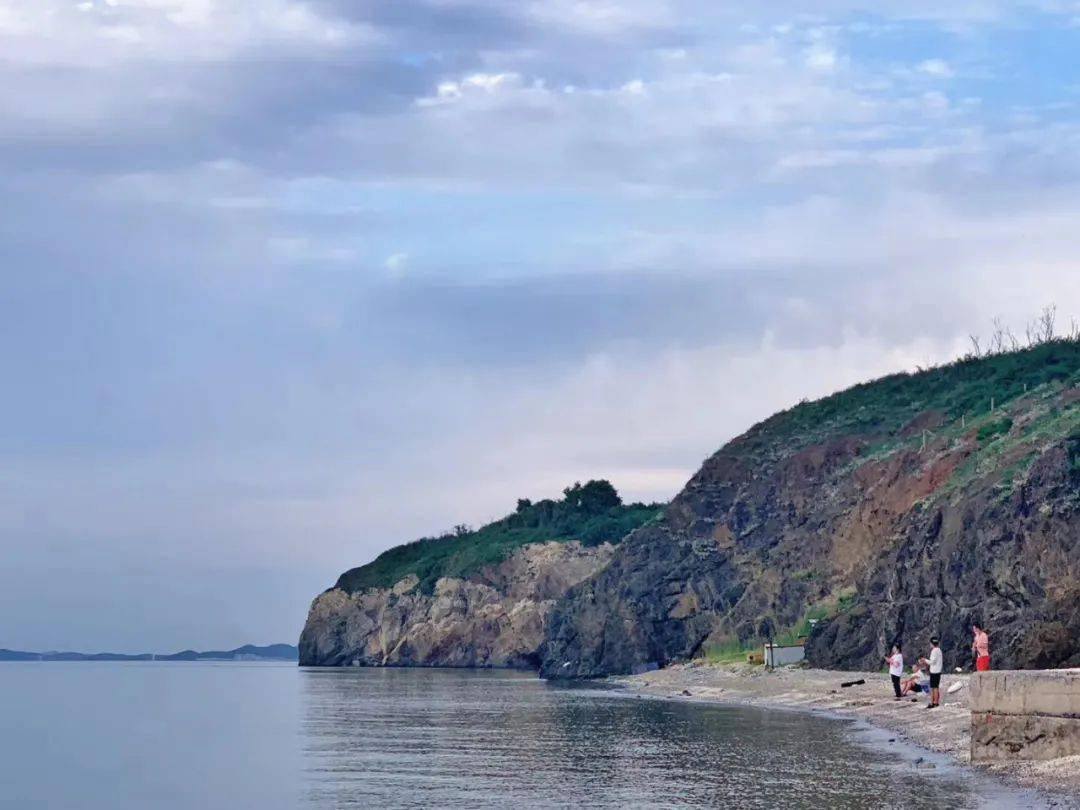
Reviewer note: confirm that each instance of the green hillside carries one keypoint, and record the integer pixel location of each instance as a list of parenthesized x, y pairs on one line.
[(972, 390), (592, 513)]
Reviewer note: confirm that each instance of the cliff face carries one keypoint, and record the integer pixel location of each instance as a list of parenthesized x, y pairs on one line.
[(494, 618), (1008, 555), (901, 508)]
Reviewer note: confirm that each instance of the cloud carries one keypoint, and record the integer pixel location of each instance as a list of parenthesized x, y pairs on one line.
[(287, 283), (821, 58), (936, 67), (396, 263), (57, 33)]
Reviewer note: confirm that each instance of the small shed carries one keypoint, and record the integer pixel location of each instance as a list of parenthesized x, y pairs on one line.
[(777, 655)]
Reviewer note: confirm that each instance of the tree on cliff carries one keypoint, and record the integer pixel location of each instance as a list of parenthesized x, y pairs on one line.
[(593, 498)]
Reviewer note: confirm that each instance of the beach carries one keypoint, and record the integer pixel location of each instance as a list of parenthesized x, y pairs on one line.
[(946, 730)]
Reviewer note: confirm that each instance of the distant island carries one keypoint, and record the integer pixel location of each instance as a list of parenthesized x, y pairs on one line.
[(249, 652)]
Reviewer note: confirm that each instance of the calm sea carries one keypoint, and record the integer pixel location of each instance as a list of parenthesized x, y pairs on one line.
[(239, 735)]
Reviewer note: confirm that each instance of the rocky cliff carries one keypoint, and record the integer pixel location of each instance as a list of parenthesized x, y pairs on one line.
[(471, 598), (495, 618), (896, 509)]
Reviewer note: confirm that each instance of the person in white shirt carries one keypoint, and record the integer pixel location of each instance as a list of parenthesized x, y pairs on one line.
[(896, 667), (935, 663)]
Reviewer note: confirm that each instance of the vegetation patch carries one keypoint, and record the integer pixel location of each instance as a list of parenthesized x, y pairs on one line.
[(841, 602), (995, 428), (731, 651), (734, 650)]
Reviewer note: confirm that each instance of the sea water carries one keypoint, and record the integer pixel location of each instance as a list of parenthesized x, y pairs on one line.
[(238, 735)]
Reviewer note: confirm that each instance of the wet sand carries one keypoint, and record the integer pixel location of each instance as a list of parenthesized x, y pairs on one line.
[(946, 730)]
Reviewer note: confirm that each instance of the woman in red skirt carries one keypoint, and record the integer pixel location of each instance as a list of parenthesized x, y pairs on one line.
[(981, 648)]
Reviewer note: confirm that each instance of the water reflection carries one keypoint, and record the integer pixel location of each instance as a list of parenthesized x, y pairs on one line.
[(443, 738)]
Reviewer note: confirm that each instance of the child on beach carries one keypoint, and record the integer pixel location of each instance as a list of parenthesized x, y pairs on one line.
[(896, 668), (918, 682), (936, 664)]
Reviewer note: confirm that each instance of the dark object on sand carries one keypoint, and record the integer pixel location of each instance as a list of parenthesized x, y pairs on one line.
[(686, 692), (859, 682)]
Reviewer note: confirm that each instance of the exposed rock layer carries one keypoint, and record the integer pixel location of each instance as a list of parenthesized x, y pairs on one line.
[(882, 534), (496, 618)]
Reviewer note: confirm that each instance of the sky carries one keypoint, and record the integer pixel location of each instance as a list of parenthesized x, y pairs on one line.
[(287, 283)]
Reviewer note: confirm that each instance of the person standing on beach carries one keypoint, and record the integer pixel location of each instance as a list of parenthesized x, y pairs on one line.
[(896, 667), (981, 648), (936, 664)]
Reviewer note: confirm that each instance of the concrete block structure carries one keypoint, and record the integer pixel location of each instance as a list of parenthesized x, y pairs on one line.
[(1025, 714), (778, 656)]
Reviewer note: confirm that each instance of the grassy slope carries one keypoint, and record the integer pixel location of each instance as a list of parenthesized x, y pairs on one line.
[(460, 555), (964, 388)]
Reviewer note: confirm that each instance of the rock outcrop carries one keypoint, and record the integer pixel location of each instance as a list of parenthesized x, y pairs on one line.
[(495, 618), (1007, 556), (897, 509)]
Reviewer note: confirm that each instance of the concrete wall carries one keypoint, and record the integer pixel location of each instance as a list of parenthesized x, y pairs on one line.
[(1029, 714), (776, 656)]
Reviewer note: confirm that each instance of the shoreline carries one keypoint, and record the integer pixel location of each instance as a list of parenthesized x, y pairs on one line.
[(944, 731)]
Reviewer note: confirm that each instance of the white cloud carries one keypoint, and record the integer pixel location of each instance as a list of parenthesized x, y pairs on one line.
[(602, 17), (938, 68), (396, 263), (473, 86), (301, 249), (503, 127), (821, 58)]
